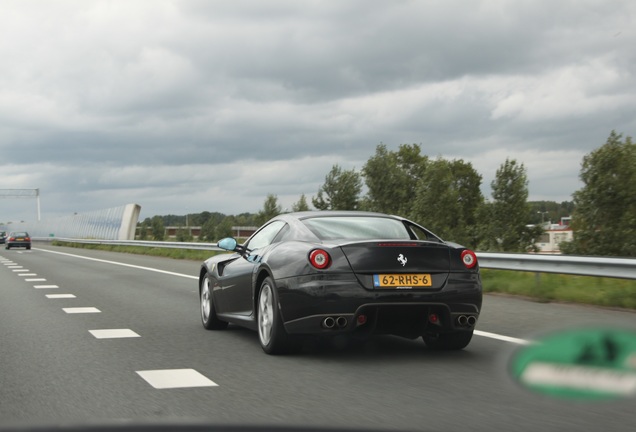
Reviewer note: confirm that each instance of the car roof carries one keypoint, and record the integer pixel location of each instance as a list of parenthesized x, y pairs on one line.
[(331, 213)]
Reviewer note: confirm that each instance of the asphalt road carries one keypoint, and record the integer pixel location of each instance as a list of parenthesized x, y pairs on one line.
[(56, 367)]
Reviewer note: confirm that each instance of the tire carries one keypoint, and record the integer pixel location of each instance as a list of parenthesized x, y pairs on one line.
[(448, 341), (208, 312), (271, 331)]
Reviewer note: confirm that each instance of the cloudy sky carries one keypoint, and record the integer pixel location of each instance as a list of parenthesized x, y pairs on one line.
[(186, 106)]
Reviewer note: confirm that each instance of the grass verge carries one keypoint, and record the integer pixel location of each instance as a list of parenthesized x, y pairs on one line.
[(187, 254), (549, 287)]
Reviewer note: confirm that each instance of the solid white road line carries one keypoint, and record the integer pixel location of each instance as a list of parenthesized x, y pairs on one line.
[(122, 264), (503, 338)]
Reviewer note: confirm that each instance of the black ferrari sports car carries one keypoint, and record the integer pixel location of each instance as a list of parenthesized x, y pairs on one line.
[(327, 273)]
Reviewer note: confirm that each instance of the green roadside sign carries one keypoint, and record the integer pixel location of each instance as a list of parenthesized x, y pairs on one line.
[(597, 363)]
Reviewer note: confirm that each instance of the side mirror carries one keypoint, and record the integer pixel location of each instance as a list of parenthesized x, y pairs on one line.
[(228, 243)]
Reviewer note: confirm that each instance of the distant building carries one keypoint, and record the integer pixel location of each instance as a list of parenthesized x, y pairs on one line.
[(554, 235)]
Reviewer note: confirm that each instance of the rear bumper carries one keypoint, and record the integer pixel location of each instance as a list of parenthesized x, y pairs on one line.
[(306, 302), (18, 244)]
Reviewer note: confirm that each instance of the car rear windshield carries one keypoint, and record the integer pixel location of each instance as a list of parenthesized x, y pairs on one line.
[(356, 228)]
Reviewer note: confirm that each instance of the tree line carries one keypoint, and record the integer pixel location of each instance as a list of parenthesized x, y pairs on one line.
[(445, 196)]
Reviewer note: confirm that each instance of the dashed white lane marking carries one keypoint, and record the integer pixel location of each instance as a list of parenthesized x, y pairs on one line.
[(21, 270), (122, 264), (503, 338), (113, 333), (36, 280), (59, 296), (27, 274), (45, 286), (15, 267), (175, 378), (79, 310)]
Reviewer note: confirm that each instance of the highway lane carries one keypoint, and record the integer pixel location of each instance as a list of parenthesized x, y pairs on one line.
[(54, 369)]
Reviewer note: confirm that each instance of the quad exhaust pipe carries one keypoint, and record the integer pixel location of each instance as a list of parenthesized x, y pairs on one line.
[(335, 322), (466, 320)]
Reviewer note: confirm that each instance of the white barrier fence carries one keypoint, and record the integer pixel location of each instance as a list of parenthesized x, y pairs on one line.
[(117, 223)]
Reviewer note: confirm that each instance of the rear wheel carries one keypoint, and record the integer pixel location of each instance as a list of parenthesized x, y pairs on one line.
[(208, 312), (271, 332), (448, 341)]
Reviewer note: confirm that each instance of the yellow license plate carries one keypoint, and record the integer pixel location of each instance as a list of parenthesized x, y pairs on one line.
[(402, 280)]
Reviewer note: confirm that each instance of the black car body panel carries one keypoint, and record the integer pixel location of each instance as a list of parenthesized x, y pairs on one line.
[(349, 286)]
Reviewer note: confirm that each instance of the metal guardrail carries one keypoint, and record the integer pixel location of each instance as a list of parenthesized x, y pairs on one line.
[(623, 268), (143, 243)]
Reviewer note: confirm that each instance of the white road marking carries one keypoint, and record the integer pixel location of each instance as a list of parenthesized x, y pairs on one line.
[(36, 280), (27, 274), (113, 333), (45, 286), (79, 310), (14, 266), (175, 378), (503, 338), (20, 270), (59, 296), (122, 264)]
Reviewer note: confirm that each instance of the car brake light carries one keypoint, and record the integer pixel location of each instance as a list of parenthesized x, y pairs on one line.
[(469, 258), (319, 259)]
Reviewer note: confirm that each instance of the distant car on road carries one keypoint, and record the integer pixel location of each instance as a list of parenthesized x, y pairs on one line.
[(18, 239), (3, 237), (330, 273)]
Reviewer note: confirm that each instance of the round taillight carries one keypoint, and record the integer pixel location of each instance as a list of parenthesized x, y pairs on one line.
[(319, 259), (469, 258)]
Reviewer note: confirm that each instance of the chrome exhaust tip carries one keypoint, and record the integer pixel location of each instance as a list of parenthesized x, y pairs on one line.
[(472, 320), (328, 323), (341, 322), (462, 320)]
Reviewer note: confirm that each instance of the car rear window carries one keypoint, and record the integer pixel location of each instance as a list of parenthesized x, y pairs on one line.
[(356, 228)]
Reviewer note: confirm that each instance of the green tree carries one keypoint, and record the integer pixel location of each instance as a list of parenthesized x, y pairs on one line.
[(549, 211), (224, 228), (183, 234), (447, 199), (604, 219), (158, 229), (341, 190), (270, 209), (143, 229), (301, 205), (510, 212), (392, 177), (207, 230)]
